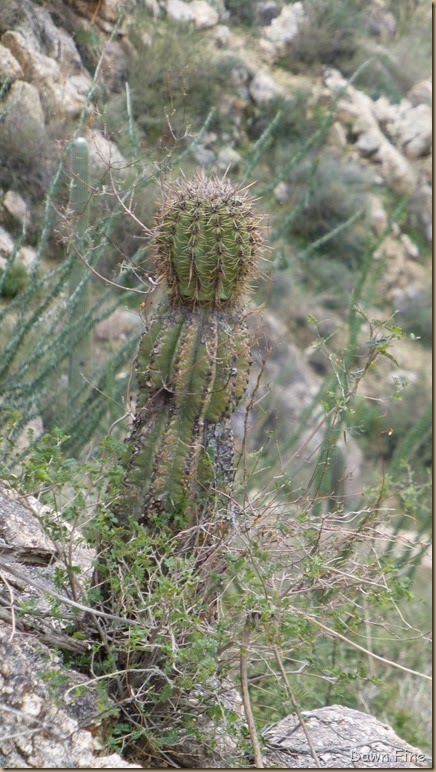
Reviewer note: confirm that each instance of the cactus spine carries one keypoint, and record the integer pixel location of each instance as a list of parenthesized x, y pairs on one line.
[(193, 360), (81, 357)]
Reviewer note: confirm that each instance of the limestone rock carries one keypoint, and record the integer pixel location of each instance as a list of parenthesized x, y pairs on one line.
[(43, 725), (205, 16), (26, 256), (51, 63), (404, 277), (200, 12), (103, 153), (22, 15), (409, 126), (115, 63), (23, 128), (421, 93), (10, 68), (21, 530), (103, 13), (406, 299), (337, 135), (61, 96), (381, 22), (35, 65), (294, 382), (118, 325), (16, 207), (179, 10), (228, 158), (239, 77), (266, 11), (343, 738), (281, 192), (285, 27), (421, 209), (63, 100), (378, 218), (356, 108), (411, 248), (153, 8), (203, 155), (221, 36), (263, 88), (6, 243)]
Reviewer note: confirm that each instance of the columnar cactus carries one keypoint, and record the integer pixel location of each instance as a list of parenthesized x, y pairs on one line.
[(193, 360), (81, 356)]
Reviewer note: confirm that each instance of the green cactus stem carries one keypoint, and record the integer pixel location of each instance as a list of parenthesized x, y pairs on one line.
[(192, 369), (193, 360), (81, 357), (207, 240)]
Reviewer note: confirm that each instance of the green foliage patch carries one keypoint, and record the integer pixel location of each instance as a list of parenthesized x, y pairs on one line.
[(13, 281)]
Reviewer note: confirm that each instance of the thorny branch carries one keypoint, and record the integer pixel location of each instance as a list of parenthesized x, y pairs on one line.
[(258, 760), (296, 707)]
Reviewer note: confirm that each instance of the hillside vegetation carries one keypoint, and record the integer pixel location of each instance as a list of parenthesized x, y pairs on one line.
[(321, 109)]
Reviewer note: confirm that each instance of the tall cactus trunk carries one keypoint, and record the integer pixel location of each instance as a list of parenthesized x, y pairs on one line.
[(193, 360), (173, 508), (80, 361), (192, 369)]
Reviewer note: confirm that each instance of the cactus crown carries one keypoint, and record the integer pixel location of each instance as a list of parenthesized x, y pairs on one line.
[(207, 239)]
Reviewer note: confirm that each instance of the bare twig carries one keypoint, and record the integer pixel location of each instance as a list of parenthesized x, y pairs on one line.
[(62, 598), (243, 664), (11, 605), (113, 283), (127, 210), (291, 696), (386, 661)]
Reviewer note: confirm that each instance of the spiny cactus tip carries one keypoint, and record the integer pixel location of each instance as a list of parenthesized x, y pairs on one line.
[(208, 240)]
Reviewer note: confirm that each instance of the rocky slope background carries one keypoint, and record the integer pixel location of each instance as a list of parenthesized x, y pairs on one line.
[(326, 108)]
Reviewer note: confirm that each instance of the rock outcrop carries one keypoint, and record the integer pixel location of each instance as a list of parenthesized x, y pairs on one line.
[(342, 738), (391, 137)]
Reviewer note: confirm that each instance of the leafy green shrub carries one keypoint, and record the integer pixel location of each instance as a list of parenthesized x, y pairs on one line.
[(293, 124), (335, 34), (242, 11), (174, 84), (328, 36), (325, 202), (15, 280)]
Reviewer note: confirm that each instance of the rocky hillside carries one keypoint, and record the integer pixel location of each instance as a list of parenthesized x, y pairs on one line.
[(341, 168), (324, 108)]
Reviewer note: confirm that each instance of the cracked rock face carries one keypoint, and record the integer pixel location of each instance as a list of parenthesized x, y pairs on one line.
[(342, 738), (44, 725)]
